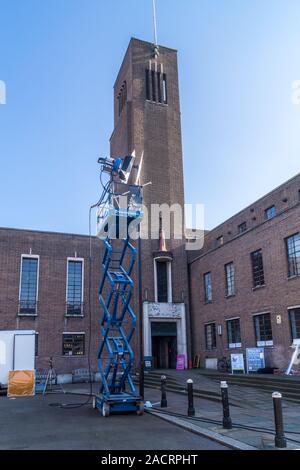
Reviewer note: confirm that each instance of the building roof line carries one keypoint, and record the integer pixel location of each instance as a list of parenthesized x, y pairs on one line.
[(151, 43), (255, 202), (239, 235), (46, 232)]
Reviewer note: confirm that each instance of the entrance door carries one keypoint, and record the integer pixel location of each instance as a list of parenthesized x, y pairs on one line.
[(164, 345)]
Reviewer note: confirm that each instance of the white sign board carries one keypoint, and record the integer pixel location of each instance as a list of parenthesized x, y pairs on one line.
[(237, 363), (17, 352)]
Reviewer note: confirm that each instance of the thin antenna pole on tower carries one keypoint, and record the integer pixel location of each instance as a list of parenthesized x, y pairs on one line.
[(155, 23)]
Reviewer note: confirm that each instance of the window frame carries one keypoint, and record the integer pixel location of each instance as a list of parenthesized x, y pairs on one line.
[(148, 84), (81, 260), (266, 342), (165, 97), (238, 344), (242, 228), (122, 97), (220, 241), (293, 328), (156, 86), (228, 294), (159, 87), (261, 284), (73, 333), (153, 87), (297, 273), (270, 212), (36, 257), (169, 281), (213, 336), (206, 299)]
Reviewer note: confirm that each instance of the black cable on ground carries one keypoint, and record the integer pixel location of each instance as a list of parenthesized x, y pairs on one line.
[(238, 426)]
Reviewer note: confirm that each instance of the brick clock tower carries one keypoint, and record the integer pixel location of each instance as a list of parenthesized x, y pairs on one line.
[(147, 122)]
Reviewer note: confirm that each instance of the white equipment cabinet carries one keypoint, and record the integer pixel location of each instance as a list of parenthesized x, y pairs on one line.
[(17, 352)]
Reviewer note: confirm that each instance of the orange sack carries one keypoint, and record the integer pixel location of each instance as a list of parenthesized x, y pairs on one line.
[(21, 383)]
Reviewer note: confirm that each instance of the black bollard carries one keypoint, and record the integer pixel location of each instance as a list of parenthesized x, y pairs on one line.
[(227, 423), (191, 409), (163, 402), (280, 440)]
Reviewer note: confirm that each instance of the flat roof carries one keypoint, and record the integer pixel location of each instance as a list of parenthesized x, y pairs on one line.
[(46, 232)]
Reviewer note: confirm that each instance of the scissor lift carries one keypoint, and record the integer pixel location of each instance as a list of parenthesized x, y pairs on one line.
[(118, 323)]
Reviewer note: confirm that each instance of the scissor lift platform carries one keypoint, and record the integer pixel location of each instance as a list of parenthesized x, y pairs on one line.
[(115, 355), (118, 403)]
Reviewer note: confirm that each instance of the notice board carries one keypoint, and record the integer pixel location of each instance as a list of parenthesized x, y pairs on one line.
[(255, 358)]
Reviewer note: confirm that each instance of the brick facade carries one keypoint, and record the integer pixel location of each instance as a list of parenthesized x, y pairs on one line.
[(51, 321), (280, 291)]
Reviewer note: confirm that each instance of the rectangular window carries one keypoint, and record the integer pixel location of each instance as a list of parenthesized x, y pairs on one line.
[(230, 279), (295, 322), (293, 254), (148, 80), (153, 79), (162, 281), (220, 241), (257, 268), (122, 98), (207, 287), (73, 344), (263, 330), (234, 333), (242, 227), (28, 286), (156, 87), (165, 89), (159, 91), (210, 336), (75, 287), (270, 212)]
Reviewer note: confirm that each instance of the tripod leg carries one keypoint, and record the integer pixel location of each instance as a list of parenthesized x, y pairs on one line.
[(46, 383)]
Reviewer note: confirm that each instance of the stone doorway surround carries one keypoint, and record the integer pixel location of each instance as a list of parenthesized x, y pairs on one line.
[(155, 312)]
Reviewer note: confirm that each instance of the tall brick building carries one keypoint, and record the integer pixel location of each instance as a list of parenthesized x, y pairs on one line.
[(245, 282), (242, 289), (148, 122)]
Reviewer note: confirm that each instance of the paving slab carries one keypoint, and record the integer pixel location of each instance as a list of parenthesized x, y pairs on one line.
[(245, 414)]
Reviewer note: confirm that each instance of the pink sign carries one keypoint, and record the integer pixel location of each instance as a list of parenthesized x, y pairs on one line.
[(180, 362)]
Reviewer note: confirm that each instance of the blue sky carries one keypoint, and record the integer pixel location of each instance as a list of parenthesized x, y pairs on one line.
[(59, 58)]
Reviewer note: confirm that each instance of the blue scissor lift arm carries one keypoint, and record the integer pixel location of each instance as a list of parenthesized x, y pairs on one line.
[(118, 323)]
